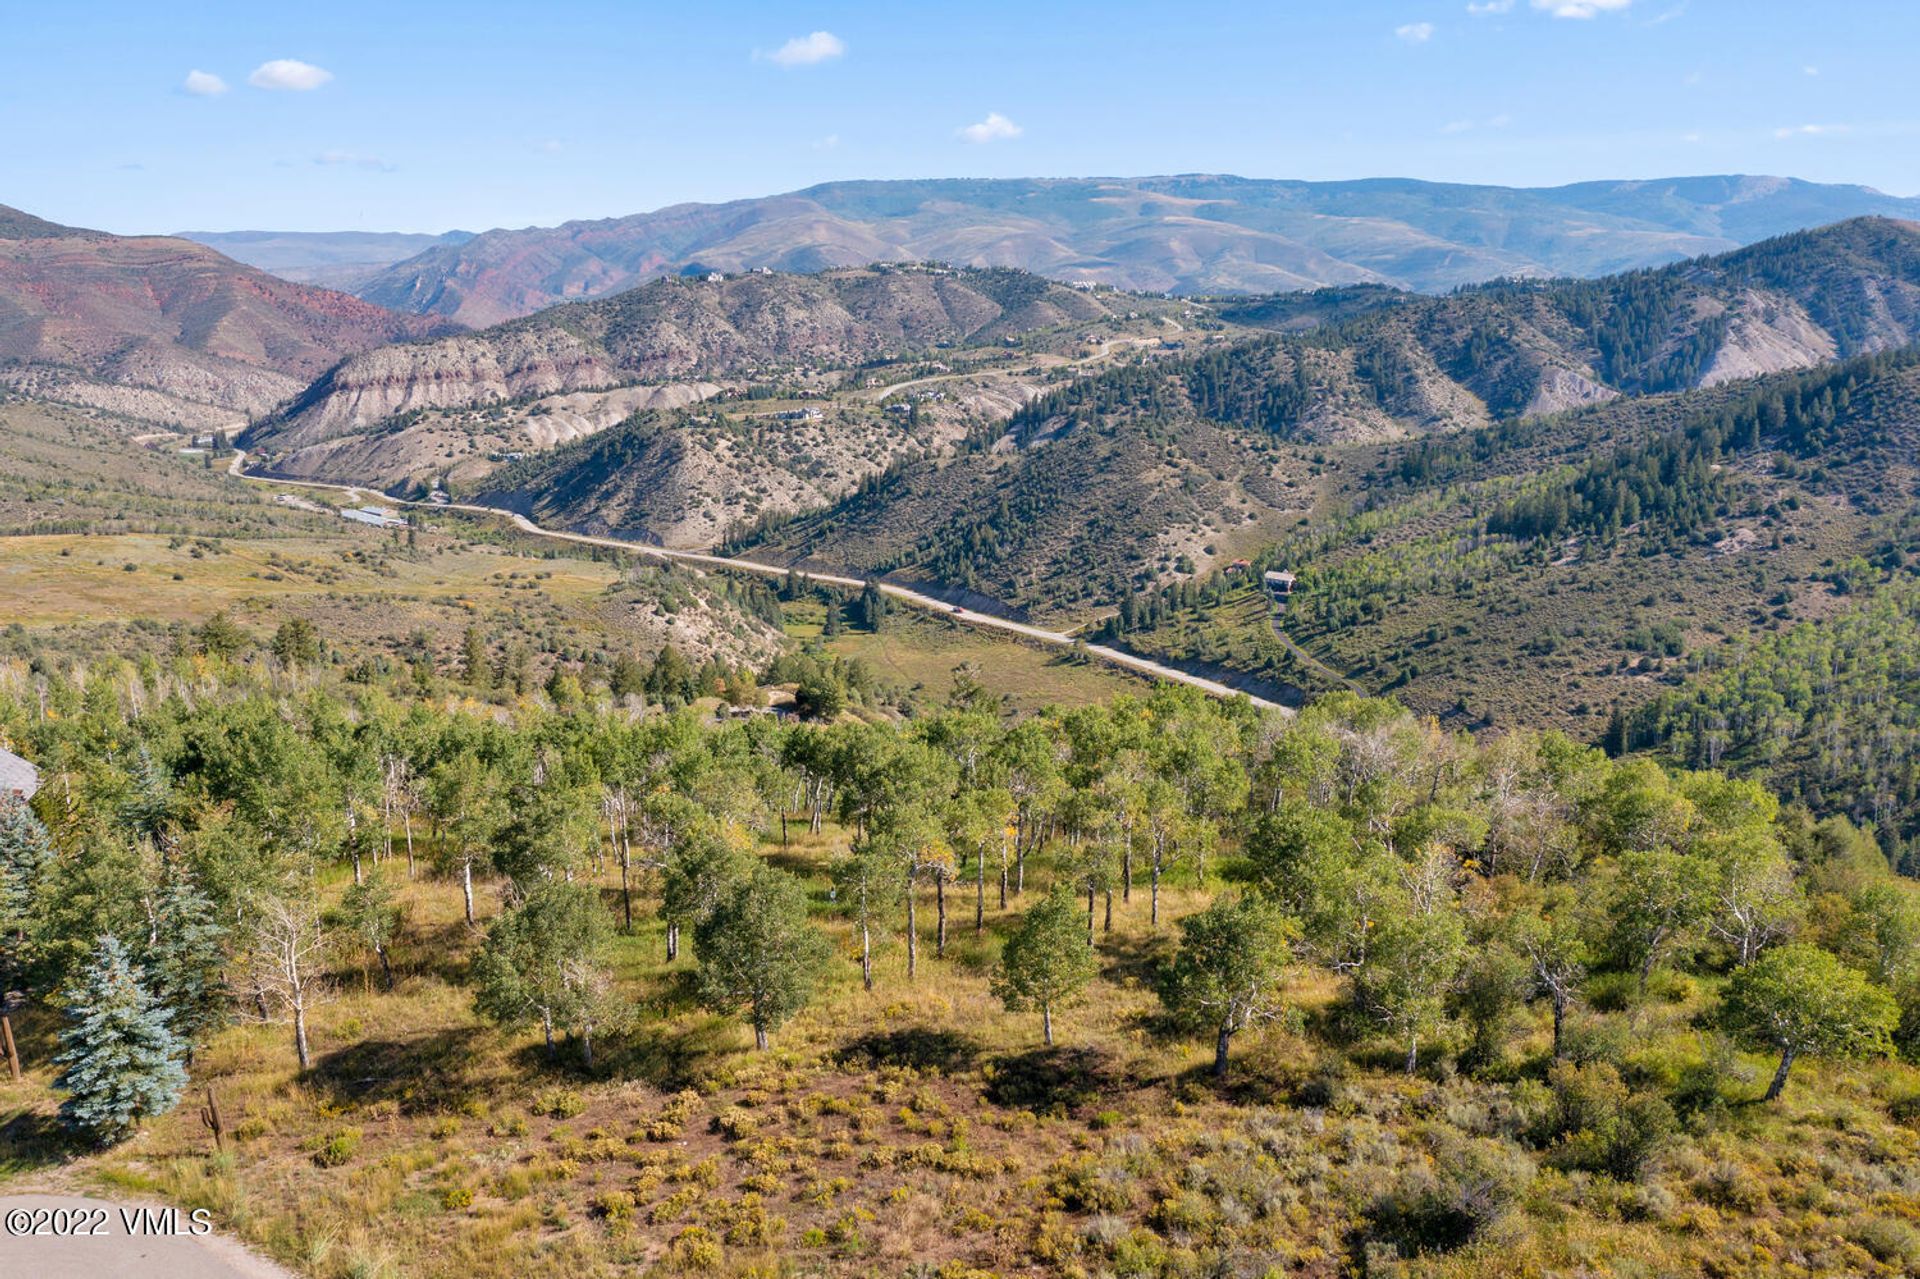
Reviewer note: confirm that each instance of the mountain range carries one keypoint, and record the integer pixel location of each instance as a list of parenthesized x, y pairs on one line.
[(165, 330), (342, 260), (406, 414), (1116, 479), (1189, 234)]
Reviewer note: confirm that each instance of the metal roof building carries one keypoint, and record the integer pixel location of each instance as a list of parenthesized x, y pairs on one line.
[(17, 777)]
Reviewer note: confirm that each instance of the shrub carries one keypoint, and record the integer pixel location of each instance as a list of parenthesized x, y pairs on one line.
[(615, 1207), (1891, 1241), (559, 1103), (695, 1248), (456, 1198), (1472, 1186), (1601, 1125), (337, 1147)]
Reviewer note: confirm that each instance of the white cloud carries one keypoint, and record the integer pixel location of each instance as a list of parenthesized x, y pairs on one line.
[(1693, 137), (992, 129), (290, 74), (1484, 7), (1810, 70), (1580, 8), (828, 143), (1500, 121), (354, 160), (1810, 130), (204, 84), (805, 51), (552, 146), (1415, 32)]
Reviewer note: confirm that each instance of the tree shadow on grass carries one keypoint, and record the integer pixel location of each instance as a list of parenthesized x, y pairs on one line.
[(669, 1056), (31, 1140), (425, 1075), (439, 950), (923, 1048), (1053, 1080), (1135, 958)]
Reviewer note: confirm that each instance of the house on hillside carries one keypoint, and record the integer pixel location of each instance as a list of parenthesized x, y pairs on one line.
[(1279, 584), (17, 777)]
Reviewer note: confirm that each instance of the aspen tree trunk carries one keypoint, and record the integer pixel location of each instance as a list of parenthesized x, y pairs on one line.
[(300, 1032), (1780, 1076), (913, 932), (980, 892)]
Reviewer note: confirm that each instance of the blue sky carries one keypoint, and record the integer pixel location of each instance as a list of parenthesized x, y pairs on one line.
[(426, 116)]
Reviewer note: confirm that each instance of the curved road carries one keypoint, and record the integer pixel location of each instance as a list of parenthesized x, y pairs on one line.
[(986, 621)]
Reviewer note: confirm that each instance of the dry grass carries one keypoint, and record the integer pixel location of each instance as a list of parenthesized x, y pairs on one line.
[(920, 1124)]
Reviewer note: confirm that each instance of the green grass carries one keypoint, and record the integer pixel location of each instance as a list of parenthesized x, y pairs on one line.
[(917, 652)]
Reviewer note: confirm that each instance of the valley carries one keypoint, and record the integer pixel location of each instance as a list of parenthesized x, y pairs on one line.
[(786, 772)]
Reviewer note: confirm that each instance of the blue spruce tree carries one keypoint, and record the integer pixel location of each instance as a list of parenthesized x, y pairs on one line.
[(122, 1061)]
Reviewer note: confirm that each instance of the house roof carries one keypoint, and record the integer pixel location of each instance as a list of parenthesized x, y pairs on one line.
[(16, 775)]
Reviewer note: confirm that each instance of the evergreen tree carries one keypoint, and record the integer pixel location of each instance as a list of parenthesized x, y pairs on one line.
[(187, 961), (473, 660), (122, 1061), (26, 852)]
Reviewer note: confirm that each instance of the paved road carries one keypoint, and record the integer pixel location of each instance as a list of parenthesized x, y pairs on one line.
[(123, 1241), (985, 621)]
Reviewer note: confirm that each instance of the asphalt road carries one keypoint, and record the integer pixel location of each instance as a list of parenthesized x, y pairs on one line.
[(985, 621), (121, 1241)]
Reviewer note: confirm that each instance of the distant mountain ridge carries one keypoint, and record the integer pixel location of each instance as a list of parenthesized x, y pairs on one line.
[(1193, 234), (342, 260), (164, 330)]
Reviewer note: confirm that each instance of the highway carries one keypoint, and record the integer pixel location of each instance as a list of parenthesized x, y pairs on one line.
[(902, 594)]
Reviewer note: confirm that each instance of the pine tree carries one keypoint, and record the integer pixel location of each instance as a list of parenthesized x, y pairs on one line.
[(186, 962), (122, 1061), (473, 660), (25, 853)]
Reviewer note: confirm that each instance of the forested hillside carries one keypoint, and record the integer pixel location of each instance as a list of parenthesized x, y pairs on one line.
[(1825, 711), (1113, 479), (1548, 570), (1160, 987)]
